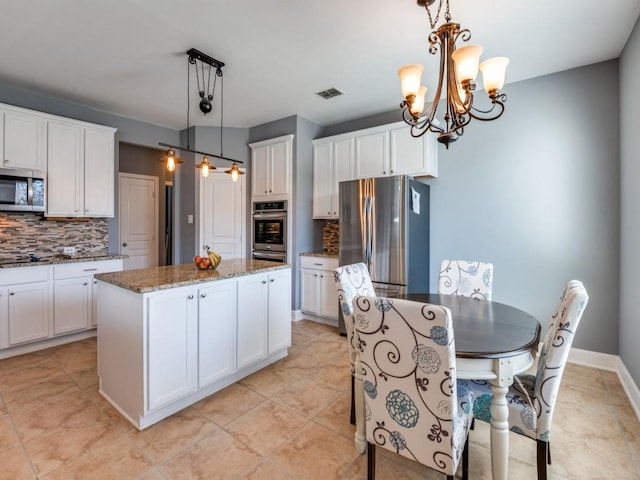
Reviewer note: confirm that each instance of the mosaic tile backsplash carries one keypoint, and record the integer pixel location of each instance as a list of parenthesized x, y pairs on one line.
[(25, 233), (330, 237)]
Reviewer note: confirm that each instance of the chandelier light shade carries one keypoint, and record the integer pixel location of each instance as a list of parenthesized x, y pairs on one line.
[(457, 76), (207, 93)]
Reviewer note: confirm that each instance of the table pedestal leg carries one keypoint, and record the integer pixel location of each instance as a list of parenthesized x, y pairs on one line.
[(360, 438), (499, 432)]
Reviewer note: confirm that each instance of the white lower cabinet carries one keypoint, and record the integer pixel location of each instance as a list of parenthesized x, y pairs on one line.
[(28, 312), (72, 306), (264, 322), (216, 332), (172, 346), (45, 301), (317, 286)]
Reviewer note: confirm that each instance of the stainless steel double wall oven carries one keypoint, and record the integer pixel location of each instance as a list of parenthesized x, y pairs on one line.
[(270, 231)]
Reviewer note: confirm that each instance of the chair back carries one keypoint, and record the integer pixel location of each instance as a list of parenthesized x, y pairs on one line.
[(351, 280), (466, 278), (555, 352), (407, 355)]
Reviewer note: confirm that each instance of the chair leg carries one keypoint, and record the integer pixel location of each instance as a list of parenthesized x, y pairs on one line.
[(352, 418), (465, 460), (371, 461), (549, 453), (542, 451)]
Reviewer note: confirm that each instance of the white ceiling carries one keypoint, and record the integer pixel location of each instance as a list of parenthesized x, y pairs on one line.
[(127, 57)]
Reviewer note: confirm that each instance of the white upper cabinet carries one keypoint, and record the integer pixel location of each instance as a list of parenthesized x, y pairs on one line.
[(99, 172), (80, 170), (372, 153), (332, 164), (271, 168), (23, 140), (412, 156)]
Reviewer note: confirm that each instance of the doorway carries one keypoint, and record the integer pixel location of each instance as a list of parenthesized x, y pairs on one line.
[(223, 215), (138, 220)]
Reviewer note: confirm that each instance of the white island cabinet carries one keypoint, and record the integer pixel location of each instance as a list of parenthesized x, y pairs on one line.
[(170, 336)]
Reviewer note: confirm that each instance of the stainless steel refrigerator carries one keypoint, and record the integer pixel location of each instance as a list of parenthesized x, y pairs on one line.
[(384, 223)]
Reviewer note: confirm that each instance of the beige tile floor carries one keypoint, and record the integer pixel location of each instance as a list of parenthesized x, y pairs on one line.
[(288, 421)]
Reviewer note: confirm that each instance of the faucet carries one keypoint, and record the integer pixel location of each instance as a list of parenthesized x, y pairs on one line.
[(33, 257)]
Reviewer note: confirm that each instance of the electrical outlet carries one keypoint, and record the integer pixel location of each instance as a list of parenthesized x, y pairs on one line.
[(69, 250)]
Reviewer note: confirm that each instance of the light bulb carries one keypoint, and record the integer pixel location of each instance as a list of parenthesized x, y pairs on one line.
[(171, 163), (234, 174), (466, 61), (418, 104), (204, 170)]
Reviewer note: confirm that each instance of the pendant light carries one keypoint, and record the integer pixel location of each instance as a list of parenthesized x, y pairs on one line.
[(207, 95)]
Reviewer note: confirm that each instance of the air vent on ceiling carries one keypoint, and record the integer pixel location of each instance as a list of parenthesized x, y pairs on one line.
[(330, 93)]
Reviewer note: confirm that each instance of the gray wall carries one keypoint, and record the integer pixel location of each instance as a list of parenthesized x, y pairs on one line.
[(630, 199), (537, 193)]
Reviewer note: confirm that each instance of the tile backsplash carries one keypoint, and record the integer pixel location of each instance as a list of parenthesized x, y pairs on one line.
[(25, 233), (330, 237)]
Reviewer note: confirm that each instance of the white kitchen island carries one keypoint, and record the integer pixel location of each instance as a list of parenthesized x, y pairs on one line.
[(170, 336)]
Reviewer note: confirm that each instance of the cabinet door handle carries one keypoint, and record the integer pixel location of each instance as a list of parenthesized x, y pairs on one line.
[(321, 276), (271, 280), (125, 244), (318, 264), (95, 281), (264, 281), (85, 284), (12, 293), (202, 295), (190, 297), (315, 275), (89, 269)]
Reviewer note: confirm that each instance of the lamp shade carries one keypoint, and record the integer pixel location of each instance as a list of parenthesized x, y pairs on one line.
[(418, 104), (493, 73), (410, 79), (466, 60)]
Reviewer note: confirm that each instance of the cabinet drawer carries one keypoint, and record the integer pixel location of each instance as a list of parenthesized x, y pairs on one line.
[(14, 276), (84, 269), (318, 263)]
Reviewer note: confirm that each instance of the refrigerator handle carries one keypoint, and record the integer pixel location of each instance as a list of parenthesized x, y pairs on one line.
[(369, 241)]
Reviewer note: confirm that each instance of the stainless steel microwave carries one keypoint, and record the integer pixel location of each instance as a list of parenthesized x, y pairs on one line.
[(22, 190)]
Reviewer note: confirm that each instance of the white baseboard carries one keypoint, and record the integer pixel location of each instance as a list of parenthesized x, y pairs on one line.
[(297, 315), (612, 363), (629, 387), (603, 361)]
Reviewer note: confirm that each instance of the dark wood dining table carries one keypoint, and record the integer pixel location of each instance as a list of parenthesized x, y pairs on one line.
[(494, 342)]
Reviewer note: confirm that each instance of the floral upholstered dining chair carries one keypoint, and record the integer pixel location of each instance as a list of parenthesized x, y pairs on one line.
[(532, 399), (351, 280), (466, 278), (413, 404)]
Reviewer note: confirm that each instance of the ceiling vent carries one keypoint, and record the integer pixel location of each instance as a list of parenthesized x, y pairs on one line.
[(330, 93)]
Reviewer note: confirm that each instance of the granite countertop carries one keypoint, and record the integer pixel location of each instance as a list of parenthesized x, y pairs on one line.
[(58, 259), (147, 280), (319, 254)]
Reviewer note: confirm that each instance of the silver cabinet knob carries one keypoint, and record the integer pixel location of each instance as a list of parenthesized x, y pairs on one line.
[(264, 281), (125, 244), (190, 297), (202, 295), (85, 284), (271, 280)]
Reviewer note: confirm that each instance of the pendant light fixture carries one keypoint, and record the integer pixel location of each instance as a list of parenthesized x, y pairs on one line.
[(458, 71), (207, 95)]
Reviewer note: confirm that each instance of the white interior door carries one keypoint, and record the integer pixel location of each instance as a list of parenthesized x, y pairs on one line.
[(138, 217), (222, 213)]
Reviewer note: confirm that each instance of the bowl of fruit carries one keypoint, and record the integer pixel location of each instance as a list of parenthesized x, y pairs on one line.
[(205, 262)]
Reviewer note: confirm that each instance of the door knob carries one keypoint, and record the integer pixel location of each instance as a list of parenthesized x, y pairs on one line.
[(125, 244)]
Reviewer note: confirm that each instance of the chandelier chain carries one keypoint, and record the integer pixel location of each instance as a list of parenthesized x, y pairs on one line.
[(433, 21)]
